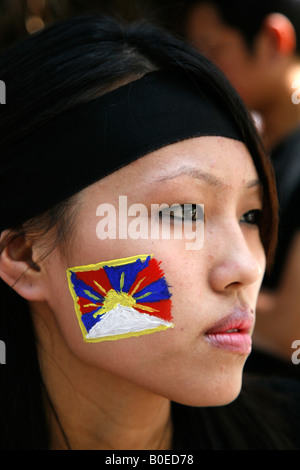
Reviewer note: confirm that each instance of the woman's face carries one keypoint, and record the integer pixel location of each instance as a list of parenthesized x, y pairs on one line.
[(214, 289)]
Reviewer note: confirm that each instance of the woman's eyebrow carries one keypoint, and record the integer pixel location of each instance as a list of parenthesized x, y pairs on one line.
[(208, 178)]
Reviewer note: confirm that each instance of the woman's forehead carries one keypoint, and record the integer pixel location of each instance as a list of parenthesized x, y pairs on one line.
[(216, 155), (215, 162)]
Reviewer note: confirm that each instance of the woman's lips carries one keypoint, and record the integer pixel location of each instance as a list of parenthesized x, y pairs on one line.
[(233, 332)]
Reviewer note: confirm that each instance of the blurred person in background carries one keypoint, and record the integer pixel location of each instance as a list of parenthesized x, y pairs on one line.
[(257, 44)]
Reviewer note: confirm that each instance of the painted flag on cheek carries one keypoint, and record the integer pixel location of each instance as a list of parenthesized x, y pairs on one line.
[(120, 298)]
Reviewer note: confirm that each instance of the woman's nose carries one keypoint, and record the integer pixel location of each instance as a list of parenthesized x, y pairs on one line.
[(236, 263)]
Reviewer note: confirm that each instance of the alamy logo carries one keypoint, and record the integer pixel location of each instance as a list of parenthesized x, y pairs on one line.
[(178, 221), (2, 92), (296, 94), (296, 354), (2, 353)]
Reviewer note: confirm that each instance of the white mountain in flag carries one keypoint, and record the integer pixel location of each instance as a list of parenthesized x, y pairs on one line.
[(123, 320)]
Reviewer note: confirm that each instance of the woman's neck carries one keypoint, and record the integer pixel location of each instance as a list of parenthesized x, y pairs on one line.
[(89, 408), (127, 420)]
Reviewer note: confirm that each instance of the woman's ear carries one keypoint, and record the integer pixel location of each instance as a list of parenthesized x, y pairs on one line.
[(18, 269), (281, 33)]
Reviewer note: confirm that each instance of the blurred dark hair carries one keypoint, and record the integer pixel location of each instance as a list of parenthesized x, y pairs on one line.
[(66, 64)]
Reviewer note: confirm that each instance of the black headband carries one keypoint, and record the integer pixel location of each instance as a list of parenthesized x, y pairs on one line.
[(93, 139)]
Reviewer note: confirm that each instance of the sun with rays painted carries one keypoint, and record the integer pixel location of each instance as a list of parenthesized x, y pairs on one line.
[(120, 298)]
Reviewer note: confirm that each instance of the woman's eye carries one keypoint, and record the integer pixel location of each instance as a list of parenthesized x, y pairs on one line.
[(184, 212), (252, 217)]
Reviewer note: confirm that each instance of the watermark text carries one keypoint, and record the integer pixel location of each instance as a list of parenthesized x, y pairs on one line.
[(177, 222), (2, 92), (296, 94), (2, 352), (296, 354)]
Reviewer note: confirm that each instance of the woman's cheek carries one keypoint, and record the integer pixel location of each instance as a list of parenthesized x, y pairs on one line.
[(104, 302), (121, 298)]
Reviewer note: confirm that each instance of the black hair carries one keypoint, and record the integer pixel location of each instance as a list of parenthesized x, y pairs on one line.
[(68, 63)]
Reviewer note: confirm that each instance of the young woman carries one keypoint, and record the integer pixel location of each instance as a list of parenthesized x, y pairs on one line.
[(104, 332)]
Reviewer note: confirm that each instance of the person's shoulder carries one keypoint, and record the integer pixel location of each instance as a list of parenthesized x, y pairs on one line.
[(265, 416), (275, 404), (277, 387)]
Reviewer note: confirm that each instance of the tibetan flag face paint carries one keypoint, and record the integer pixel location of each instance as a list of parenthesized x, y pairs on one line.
[(120, 298)]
